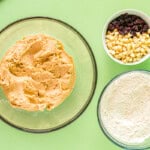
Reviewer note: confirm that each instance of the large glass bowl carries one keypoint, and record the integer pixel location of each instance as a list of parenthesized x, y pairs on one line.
[(128, 146), (86, 75)]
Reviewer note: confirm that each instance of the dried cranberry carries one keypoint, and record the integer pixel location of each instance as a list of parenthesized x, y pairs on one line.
[(139, 21), (127, 23), (145, 28), (111, 27)]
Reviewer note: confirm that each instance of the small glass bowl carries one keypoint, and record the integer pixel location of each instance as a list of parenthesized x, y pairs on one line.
[(143, 146), (86, 75), (115, 15)]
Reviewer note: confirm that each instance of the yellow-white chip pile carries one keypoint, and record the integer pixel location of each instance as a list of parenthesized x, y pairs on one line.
[(128, 48)]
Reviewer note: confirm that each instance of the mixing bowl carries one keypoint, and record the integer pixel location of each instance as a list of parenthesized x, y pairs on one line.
[(86, 75)]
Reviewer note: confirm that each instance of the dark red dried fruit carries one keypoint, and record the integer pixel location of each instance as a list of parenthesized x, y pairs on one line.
[(139, 21), (127, 23), (111, 27)]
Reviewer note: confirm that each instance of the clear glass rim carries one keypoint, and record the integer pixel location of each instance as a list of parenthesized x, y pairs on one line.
[(102, 127), (93, 84)]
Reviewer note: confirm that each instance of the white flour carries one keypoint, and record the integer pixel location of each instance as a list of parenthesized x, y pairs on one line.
[(125, 108)]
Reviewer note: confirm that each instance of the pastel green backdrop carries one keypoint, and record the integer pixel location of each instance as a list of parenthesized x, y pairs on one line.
[(88, 17)]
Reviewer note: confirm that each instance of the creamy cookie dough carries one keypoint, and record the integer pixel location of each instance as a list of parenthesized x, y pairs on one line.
[(36, 73)]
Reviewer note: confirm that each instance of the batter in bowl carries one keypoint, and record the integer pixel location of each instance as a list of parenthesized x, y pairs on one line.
[(36, 73)]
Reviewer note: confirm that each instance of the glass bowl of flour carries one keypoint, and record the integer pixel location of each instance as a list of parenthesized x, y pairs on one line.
[(124, 110)]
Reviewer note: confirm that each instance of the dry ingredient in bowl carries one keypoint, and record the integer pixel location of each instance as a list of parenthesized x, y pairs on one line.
[(128, 38), (125, 108), (36, 73)]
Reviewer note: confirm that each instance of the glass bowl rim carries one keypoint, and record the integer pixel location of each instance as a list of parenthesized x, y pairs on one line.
[(100, 122), (94, 83)]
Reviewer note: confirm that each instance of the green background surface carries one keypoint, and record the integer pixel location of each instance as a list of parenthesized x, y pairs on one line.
[(88, 17)]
